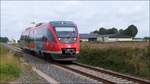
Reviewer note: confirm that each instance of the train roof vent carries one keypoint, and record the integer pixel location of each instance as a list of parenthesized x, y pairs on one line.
[(38, 24), (62, 22)]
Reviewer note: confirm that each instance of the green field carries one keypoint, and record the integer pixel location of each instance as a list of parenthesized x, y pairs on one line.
[(9, 65), (125, 59)]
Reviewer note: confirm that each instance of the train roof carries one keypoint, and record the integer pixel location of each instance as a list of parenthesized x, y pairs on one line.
[(63, 23), (54, 23), (28, 28)]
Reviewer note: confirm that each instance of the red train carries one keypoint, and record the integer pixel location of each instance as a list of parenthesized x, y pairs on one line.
[(56, 39)]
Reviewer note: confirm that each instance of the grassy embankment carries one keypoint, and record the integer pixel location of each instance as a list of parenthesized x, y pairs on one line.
[(9, 65), (130, 58)]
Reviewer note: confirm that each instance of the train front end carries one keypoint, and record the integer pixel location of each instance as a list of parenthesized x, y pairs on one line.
[(67, 40)]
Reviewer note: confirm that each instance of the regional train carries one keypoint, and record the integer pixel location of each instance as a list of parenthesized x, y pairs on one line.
[(58, 40)]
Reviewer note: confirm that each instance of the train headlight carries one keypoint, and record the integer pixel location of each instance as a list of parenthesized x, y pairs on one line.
[(75, 39), (59, 38)]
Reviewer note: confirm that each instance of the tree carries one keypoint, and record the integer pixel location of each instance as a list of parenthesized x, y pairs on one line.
[(95, 32), (112, 31), (131, 31), (121, 31), (4, 39), (102, 31), (147, 38)]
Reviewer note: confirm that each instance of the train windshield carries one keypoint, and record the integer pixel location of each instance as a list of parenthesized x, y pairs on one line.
[(66, 31)]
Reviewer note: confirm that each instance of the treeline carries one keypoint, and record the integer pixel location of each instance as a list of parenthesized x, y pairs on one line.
[(131, 31), (147, 38), (4, 39)]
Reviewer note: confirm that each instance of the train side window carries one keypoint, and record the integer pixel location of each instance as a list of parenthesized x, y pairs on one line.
[(50, 36), (35, 35), (39, 34), (27, 37), (43, 33), (32, 35), (22, 37)]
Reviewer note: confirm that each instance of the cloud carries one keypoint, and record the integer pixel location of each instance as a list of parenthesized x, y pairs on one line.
[(88, 15)]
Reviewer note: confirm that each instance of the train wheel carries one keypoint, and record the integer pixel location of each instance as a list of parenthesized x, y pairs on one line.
[(40, 54), (48, 57)]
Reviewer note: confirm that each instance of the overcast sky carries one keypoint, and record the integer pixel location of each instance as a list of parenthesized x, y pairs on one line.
[(88, 15)]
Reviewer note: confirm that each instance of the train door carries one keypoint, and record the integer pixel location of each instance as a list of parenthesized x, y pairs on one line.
[(49, 45), (31, 43), (38, 39), (41, 39)]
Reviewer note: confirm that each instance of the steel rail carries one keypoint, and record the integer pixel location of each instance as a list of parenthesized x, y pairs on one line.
[(116, 74), (86, 74)]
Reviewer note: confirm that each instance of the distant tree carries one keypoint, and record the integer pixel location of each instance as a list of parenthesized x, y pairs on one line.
[(131, 31), (102, 31), (4, 39), (121, 31), (14, 41), (112, 31), (147, 38), (95, 32), (18, 41)]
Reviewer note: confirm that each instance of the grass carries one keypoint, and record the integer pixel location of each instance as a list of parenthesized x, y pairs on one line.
[(133, 61), (103, 45), (9, 65)]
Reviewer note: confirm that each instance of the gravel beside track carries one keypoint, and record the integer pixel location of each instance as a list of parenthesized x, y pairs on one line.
[(29, 77), (102, 75), (63, 76), (58, 74)]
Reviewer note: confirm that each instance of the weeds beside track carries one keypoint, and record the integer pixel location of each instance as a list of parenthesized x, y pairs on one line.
[(9, 65), (128, 60)]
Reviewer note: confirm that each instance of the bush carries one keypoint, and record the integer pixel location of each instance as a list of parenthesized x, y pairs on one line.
[(133, 61), (9, 71), (9, 65)]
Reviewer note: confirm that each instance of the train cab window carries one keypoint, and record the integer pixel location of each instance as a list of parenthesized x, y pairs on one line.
[(66, 32)]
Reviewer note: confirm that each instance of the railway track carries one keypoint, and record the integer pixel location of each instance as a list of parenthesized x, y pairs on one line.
[(102, 75), (116, 74), (99, 74)]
